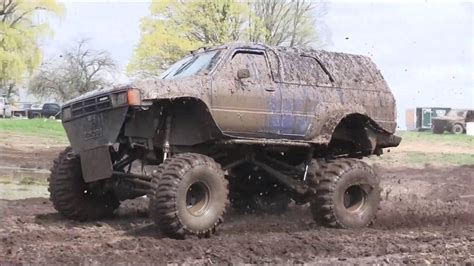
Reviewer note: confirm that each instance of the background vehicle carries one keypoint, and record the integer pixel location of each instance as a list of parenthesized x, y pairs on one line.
[(420, 117), (234, 123), (5, 108), (46, 110), (454, 121), (20, 109)]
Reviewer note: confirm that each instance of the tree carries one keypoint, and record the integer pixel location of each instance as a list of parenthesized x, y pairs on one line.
[(176, 27), (21, 27), (78, 71), (283, 22)]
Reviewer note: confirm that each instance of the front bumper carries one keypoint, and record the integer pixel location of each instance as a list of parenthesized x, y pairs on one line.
[(92, 133), (95, 129), (95, 120)]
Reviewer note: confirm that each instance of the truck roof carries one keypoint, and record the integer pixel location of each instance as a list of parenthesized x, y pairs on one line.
[(347, 70)]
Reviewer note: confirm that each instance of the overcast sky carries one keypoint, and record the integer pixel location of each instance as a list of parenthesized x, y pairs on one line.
[(425, 49)]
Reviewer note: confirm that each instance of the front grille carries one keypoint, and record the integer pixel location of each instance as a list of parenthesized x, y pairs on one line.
[(90, 105)]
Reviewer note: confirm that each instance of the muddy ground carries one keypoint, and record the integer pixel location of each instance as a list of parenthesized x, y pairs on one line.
[(427, 216)]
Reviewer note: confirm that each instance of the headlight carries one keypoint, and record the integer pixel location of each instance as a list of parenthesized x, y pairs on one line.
[(120, 99), (130, 97), (66, 113)]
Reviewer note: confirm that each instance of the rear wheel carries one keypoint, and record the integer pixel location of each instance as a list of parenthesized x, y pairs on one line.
[(190, 196), (457, 129), (70, 194), (347, 194)]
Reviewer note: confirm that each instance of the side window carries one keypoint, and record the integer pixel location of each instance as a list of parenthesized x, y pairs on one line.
[(301, 69), (255, 62)]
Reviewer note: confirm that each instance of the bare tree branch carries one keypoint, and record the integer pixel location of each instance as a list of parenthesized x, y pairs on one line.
[(80, 70)]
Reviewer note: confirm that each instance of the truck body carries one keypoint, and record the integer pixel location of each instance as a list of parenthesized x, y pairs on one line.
[(273, 112), (454, 121)]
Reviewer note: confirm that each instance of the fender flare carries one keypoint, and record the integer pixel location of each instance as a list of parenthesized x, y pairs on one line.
[(323, 133), (190, 114)]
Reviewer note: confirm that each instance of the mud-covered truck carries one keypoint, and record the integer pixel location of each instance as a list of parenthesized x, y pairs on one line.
[(241, 125), (454, 121)]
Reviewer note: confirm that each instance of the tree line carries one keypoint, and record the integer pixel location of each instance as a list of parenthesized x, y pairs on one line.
[(171, 30), (174, 28)]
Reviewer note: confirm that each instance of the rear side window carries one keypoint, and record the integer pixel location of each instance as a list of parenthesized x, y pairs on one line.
[(303, 69)]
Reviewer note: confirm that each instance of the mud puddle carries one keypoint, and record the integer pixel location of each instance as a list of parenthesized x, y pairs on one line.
[(22, 183)]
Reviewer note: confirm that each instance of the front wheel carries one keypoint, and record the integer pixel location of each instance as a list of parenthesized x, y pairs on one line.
[(70, 194), (189, 196), (347, 194), (457, 129)]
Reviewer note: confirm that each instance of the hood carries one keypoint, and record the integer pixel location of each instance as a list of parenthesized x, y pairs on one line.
[(96, 92), (197, 86)]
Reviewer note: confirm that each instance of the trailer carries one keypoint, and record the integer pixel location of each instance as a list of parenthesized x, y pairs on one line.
[(420, 118)]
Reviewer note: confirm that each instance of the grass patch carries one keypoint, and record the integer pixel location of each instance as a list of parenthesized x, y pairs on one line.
[(415, 158), (439, 158), (446, 138), (41, 127)]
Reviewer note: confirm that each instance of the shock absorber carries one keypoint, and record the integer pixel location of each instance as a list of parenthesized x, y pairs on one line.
[(166, 144)]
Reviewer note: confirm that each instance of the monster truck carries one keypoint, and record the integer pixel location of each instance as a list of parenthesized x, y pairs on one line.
[(239, 124)]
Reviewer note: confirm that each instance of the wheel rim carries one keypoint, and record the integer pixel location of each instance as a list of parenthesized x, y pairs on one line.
[(354, 198), (197, 198), (457, 129)]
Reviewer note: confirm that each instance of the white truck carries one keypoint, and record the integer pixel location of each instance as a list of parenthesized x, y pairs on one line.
[(5, 108)]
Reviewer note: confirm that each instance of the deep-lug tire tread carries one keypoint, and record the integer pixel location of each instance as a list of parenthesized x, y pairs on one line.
[(329, 174), (163, 197), (63, 184)]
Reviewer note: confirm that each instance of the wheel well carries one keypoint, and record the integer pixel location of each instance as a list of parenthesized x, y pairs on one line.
[(458, 124), (355, 133), (192, 122)]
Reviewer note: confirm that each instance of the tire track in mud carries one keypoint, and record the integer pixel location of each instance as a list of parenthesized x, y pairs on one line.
[(423, 219)]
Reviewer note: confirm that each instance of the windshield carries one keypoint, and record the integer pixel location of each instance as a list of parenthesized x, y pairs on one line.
[(456, 113), (192, 65)]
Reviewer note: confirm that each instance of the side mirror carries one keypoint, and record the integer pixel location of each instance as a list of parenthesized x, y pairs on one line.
[(243, 73)]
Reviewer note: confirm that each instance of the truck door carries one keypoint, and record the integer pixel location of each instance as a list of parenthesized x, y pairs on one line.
[(304, 80), (245, 100)]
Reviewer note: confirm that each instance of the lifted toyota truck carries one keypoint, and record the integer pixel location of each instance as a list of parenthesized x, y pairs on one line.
[(245, 125)]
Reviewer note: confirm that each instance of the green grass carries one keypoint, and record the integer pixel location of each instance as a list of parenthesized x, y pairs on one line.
[(421, 159), (40, 127), (439, 158), (446, 138)]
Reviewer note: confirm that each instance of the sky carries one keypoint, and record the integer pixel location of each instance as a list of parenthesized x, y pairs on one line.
[(424, 49)]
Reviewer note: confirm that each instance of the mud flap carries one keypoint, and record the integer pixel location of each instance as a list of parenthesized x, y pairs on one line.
[(96, 164)]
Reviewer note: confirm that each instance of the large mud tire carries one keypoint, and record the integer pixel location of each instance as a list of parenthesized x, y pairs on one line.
[(69, 194), (190, 197), (347, 194)]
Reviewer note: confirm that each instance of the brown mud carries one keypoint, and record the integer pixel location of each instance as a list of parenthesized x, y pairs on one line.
[(427, 216)]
